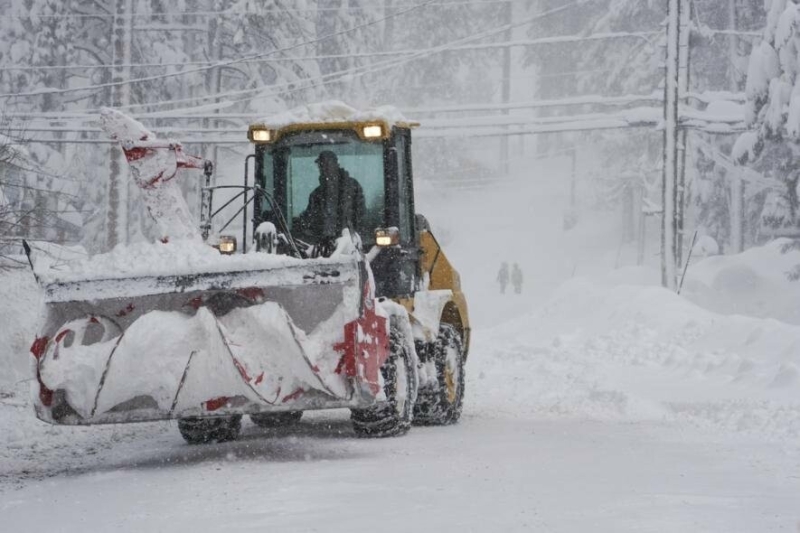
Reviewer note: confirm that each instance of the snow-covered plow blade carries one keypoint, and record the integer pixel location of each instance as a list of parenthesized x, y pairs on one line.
[(274, 338)]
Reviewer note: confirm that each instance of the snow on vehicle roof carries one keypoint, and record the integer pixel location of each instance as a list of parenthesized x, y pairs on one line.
[(335, 111)]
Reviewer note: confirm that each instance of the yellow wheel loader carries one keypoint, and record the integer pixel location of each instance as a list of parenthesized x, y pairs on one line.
[(336, 295)]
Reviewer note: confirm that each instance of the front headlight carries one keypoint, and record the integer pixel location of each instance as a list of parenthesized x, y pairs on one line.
[(227, 244), (387, 236)]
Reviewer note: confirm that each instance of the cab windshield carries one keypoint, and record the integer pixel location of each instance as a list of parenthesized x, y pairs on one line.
[(296, 172)]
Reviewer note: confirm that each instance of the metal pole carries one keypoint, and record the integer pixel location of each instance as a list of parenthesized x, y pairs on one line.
[(670, 176), (683, 134), (506, 90), (737, 184)]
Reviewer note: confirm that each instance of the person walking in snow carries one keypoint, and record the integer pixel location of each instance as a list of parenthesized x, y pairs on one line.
[(502, 277), (516, 279)]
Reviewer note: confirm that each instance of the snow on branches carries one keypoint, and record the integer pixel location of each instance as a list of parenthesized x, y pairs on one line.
[(773, 91)]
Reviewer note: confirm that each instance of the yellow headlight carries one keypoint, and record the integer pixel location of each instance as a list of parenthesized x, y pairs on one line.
[(227, 244), (373, 132), (387, 236), (262, 136)]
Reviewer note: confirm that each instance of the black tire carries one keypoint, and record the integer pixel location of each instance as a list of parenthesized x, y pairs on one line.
[(393, 417), (205, 430), (442, 405), (276, 420)]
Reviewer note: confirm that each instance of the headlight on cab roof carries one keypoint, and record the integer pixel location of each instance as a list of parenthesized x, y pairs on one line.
[(372, 131), (227, 244), (260, 134)]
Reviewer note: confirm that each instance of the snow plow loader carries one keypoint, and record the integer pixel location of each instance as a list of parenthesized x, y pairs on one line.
[(334, 295)]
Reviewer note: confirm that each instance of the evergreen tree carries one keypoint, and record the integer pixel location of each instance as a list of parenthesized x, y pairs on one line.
[(773, 114)]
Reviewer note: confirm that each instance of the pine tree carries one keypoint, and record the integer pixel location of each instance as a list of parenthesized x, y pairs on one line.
[(773, 114)]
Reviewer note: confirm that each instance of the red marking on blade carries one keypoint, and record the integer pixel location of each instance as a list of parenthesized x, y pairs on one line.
[(216, 403), (293, 396), (196, 302), (362, 358), (242, 370), (254, 294), (94, 320), (259, 379), (62, 334), (153, 182), (39, 346), (164, 240), (130, 307), (45, 394), (315, 368), (134, 154), (343, 360)]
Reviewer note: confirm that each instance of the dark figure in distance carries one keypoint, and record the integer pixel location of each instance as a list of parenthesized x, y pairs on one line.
[(516, 278), (337, 203), (502, 277)]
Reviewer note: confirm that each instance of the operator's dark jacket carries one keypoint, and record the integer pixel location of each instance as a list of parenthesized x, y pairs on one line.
[(333, 206)]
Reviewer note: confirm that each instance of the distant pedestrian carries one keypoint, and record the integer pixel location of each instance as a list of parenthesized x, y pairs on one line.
[(516, 279), (502, 277)]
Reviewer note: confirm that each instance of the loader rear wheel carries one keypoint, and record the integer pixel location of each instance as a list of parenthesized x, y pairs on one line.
[(442, 405), (276, 420), (205, 430), (393, 417)]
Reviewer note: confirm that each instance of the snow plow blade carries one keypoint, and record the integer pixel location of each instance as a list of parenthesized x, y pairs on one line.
[(258, 340)]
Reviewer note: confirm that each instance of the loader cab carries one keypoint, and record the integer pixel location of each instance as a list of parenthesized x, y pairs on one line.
[(377, 155)]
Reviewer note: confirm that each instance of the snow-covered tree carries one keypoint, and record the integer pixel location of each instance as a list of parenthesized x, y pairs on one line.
[(773, 113)]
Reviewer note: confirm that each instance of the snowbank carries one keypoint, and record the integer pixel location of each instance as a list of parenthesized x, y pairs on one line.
[(19, 312), (753, 283)]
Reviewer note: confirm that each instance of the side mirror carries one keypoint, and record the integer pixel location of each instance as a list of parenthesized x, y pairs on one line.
[(422, 223)]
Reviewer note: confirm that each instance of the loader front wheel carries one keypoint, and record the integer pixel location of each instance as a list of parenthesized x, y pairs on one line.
[(393, 417), (442, 404), (205, 430), (276, 420)]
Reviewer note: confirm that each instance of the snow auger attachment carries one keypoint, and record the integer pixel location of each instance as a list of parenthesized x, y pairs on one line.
[(344, 298), (174, 329), (265, 339)]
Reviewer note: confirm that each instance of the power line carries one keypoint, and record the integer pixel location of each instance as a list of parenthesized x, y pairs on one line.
[(558, 39), (230, 12), (351, 72), (50, 91), (33, 119)]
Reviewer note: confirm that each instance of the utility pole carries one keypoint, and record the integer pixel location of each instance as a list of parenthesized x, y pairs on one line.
[(506, 88), (670, 170), (737, 185), (213, 86), (122, 35), (683, 134)]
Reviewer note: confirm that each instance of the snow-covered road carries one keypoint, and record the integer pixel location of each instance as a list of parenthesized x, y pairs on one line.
[(602, 429), (490, 473)]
